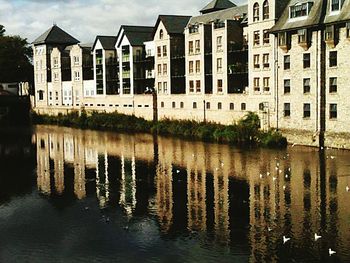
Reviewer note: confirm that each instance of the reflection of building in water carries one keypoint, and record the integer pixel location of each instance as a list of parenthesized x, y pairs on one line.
[(164, 181), (102, 180), (128, 185), (43, 166), (79, 168)]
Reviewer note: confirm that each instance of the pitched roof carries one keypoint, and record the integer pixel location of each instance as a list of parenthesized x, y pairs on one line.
[(216, 5), (136, 35), (107, 42), (343, 15), (174, 24), (227, 14), (313, 19), (55, 35)]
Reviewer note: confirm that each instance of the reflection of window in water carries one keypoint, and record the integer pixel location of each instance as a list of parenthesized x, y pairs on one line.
[(42, 144)]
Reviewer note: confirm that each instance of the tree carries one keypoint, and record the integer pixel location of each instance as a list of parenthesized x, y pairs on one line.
[(15, 59)]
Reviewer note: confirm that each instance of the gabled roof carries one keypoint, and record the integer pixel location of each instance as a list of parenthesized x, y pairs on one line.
[(227, 14), (136, 35), (107, 42), (343, 15), (217, 5), (315, 17), (174, 24), (55, 35)]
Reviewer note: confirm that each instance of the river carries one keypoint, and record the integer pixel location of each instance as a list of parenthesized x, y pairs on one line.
[(69, 195)]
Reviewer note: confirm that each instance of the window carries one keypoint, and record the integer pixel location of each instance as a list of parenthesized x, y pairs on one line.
[(193, 29), (333, 60), (286, 63), (198, 66), (165, 87), (161, 34), (266, 60), (208, 105), (162, 104), (306, 60), (306, 85), (159, 51), (191, 86), (256, 12), (190, 67), (197, 46), (300, 10), (336, 5), (283, 40), (190, 47), (159, 87), (307, 110), (219, 85), (266, 36), (41, 95), (219, 43), (256, 61), (266, 10), (181, 104), (165, 53), (76, 75), (198, 86), (302, 36), (76, 60), (55, 62), (56, 95), (194, 105), (55, 76), (329, 33), (219, 64), (333, 113), (219, 105), (286, 109), (266, 84), (243, 106), (256, 38), (232, 106), (333, 85), (348, 29), (256, 84), (50, 95), (165, 69), (159, 71), (174, 104), (286, 86)]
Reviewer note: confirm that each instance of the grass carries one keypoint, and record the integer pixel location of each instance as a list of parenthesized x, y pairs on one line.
[(245, 132)]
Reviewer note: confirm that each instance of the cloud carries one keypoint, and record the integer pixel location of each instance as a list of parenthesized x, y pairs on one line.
[(84, 19)]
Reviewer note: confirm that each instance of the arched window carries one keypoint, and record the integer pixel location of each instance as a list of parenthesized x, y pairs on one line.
[(266, 10), (161, 34), (256, 12)]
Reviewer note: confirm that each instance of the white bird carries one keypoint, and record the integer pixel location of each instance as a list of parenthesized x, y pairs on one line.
[(268, 173), (280, 171), (347, 188), (331, 252), (317, 237), (284, 187), (276, 168), (222, 164), (269, 229), (289, 169), (285, 239), (286, 176), (274, 178), (217, 169), (177, 171), (261, 176), (332, 157)]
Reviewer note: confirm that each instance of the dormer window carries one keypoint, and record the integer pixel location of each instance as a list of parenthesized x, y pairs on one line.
[(161, 34), (193, 29), (336, 5), (302, 36), (331, 36), (300, 10), (284, 41)]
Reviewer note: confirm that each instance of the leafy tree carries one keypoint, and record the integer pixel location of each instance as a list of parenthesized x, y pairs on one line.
[(15, 59)]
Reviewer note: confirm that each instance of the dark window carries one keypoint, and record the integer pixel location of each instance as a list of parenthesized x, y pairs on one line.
[(333, 85), (329, 33), (208, 105), (286, 86), (219, 105), (162, 104), (266, 10), (174, 104), (336, 5), (286, 62), (306, 84), (181, 105), (286, 109), (243, 106), (256, 12), (348, 29), (333, 113), (195, 105), (232, 106), (256, 37), (333, 58), (307, 110), (41, 95), (306, 60), (266, 37)]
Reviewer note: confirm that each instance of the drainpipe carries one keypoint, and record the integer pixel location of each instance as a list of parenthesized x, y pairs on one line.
[(204, 113)]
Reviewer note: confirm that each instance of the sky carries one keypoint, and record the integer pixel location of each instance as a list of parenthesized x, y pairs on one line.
[(84, 19)]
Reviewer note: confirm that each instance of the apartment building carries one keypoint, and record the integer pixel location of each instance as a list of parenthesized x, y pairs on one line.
[(283, 59)]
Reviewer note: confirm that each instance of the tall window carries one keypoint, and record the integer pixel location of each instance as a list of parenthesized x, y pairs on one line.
[(306, 60), (307, 110), (266, 10), (159, 87), (302, 36), (266, 60), (286, 63), (266, 84), (306, 85), (243, 106), (329, 33), (198, 86), (256, 84), (165, 87), (219, 105), (266, 36), (41, 95), (190, 47), (161, 34), (198, 47), (219, 85), (159, 69), (55, 62), (333, 58), (333, 87), (256, 38), (198, 66), (159, 51), (256, 61), (286, 86), (256, 12), (208, 105), (190, 67), (286, 109), (191, 86), (232, 106), (165, 69), (333, 112), (219, 64), (165, 51), (219, 43)]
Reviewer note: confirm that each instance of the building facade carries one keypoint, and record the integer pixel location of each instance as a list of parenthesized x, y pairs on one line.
[(283, 59)]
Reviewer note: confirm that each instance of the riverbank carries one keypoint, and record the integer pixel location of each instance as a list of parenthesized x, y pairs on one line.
[(245, 132)]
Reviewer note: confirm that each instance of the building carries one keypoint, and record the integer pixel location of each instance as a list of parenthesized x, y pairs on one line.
[(283, 59)]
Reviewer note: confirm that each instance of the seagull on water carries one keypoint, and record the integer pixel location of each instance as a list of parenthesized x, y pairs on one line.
[(347, 188), (274, 178), (177, 171), (285, 239), (261, 176), (331, 252), (317, 237)]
